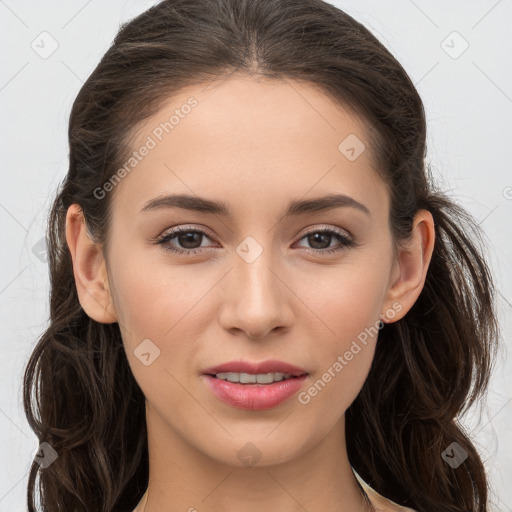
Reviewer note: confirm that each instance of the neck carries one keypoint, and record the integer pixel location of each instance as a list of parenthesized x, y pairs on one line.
[(182, 478)]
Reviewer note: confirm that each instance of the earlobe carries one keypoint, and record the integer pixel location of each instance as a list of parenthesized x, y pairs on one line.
[(89, 269), (412, 264)]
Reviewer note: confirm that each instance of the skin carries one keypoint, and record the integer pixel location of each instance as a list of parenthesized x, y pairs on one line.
[(256, 145)]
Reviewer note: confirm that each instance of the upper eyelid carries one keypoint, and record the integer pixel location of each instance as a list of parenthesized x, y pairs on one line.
[(325, 227), (186, 228)]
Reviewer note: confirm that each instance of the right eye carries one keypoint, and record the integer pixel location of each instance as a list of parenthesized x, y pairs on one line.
[(186, 236)]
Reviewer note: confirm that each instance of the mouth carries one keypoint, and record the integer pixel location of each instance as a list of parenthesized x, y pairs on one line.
[(258, 378), (246, 372), (254, 396), (255, 386)]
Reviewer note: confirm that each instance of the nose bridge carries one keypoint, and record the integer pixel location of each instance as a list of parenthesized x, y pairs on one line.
[(256, 300)]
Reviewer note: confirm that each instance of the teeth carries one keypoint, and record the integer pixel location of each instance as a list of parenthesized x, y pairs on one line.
[(247, 378)]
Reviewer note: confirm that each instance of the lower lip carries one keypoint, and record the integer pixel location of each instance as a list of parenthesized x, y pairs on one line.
[(254, 397)]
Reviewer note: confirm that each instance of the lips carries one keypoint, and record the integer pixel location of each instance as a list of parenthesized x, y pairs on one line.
[(269, 366), (254, 397)]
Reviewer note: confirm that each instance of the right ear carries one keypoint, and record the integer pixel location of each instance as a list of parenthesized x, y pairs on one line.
[(89, 269)]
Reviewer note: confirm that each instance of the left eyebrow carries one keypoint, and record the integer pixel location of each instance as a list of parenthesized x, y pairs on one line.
[(295, 207), (328, 202)]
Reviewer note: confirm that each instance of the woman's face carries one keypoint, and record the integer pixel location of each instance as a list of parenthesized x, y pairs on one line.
[(252, 283)]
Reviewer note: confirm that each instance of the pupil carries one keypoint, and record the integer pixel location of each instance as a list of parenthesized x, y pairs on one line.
[(313, 239), (187, 239)]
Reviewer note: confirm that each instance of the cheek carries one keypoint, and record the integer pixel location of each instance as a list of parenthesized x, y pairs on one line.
[(347, 304), (345, 300), (153, 299), (160, 304), (167, 305)]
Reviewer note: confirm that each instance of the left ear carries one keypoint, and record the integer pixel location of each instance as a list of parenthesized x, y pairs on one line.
[(410, 269)]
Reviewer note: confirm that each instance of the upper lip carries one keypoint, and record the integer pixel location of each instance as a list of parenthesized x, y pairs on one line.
[(269, 366)]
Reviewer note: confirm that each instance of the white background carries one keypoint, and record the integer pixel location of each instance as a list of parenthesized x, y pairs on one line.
[(468, 101)]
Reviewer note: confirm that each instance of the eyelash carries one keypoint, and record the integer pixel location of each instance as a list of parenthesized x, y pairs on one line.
[(346, 242)]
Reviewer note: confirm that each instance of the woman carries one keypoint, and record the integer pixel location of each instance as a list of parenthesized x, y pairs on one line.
[(259, 298)]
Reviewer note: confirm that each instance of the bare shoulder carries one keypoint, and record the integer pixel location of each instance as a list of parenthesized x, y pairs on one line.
[(140, 506), (379, 502), (382, 504)]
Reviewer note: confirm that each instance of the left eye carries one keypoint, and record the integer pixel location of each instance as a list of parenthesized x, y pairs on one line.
[(189, 238), (320, 236)]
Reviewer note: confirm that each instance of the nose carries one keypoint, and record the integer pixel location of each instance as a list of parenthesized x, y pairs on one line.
[(256, 298)]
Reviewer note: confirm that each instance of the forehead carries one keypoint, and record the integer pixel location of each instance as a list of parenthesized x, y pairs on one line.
[(271, 139)]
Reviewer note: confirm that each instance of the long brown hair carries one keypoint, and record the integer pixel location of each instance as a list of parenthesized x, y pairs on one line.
[(429, 367)]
